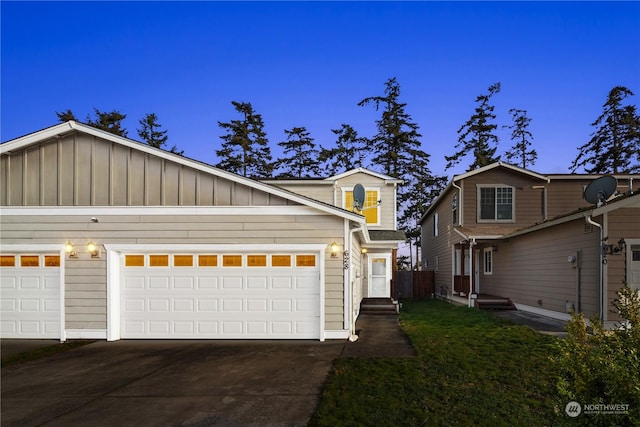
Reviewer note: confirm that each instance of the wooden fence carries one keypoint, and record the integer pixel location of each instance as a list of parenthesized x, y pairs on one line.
[(414, 284)]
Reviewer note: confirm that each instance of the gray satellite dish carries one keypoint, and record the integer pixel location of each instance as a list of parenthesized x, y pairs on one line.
[(358, 197), (599, 190)]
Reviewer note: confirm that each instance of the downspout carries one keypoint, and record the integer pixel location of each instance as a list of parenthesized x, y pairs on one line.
[(352, 320), (460, 212), (595, 224), (472, 271)]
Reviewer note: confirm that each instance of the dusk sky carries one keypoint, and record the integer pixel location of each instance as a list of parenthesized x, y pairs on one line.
[(310, 63)]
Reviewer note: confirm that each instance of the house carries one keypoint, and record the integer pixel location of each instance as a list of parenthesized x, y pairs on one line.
[(102, 237), (507, 232)]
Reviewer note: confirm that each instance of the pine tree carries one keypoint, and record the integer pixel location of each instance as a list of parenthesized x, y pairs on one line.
[(245, 150), (476, 135), (349, 152), (66, 116), (303, 155), (108, 121), (615, 145), (520, 133), (151, 134), (398, 153)]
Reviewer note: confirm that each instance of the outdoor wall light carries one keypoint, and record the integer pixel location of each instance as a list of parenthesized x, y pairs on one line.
[(93, 249), (334, 250), (494, 248), (364, 250), (70, 250)]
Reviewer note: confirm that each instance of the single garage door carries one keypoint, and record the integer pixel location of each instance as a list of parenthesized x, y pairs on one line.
[(220, 295), (30, 295)]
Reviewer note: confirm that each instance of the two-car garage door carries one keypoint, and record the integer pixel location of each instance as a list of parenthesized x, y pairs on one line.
[(220, 295)]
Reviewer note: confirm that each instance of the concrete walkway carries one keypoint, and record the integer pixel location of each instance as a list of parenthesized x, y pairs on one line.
[(542, 324), (379, 336)]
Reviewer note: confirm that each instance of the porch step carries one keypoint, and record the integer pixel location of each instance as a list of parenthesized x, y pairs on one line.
[(378, 306), (494, 303)]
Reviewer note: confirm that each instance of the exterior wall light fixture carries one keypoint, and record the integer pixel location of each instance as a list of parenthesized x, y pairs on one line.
[(93, 249), (334, 250), (70, 250)]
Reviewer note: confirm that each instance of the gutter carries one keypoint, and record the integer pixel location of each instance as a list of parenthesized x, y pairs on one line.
[(601, 280)]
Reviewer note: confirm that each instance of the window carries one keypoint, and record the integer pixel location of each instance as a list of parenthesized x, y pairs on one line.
[(256, 260), (207, 260), (305, 260), (232, 260), (495, 203), (159, 260), (52, 260), (488, 260), (134, 260), (370, 210), (454, 209), (281, 260), (435, 224), (7, 261), (183, 260), (29, 261)]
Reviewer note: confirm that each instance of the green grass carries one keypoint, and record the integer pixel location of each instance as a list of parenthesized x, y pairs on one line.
[(472, 368), (39, 353)]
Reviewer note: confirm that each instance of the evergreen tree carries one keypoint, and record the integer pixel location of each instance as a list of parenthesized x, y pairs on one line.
[(398, 153), (108, 121), (476, 135), (615, 145), (303, 155), (151, 134), (245, 150), (66, 116), (349, 152), (520, 133), (397, 135)]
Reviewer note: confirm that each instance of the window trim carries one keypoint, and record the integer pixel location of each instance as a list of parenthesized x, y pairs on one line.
[(378, 191), (436, 220), (488, 256), (479, 189)]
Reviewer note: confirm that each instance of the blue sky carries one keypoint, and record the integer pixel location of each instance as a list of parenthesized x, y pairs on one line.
[(310, 63)]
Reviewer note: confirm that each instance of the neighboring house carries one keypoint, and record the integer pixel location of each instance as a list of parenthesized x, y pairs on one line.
[(504, 231), (103, 237)]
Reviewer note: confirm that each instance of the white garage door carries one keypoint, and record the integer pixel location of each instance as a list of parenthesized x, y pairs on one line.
[(220, 295), (30, 295)]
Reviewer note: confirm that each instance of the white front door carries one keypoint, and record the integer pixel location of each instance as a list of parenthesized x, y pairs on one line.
[(380, 276), (633, 275)]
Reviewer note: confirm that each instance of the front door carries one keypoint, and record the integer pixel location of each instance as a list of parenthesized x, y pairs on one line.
[(380, 276), (633, 275)]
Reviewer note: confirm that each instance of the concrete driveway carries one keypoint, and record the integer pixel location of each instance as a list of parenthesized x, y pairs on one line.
[(170, 383)]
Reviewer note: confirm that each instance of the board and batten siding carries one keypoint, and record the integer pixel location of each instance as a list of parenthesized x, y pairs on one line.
[(78, 169), (533, 269), (85, 296)]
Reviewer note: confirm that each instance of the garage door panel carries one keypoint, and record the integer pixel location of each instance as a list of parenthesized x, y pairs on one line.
[(228, 302), (30, 298)]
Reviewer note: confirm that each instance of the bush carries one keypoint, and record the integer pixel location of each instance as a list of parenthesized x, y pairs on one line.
[(601, 367)]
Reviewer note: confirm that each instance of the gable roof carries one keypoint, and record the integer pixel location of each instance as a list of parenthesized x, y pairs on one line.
[(387, 178), (502, 165), (72, 126)]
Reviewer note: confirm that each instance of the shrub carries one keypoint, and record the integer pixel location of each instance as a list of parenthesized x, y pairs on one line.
[(602, 367)]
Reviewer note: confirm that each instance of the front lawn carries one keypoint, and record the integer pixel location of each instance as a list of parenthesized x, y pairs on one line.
[(472, 369)]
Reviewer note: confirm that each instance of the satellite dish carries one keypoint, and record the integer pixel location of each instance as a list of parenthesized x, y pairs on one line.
[(599, 190), (358, 197)]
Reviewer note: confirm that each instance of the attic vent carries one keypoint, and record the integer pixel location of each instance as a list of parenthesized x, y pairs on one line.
[(588, 228)]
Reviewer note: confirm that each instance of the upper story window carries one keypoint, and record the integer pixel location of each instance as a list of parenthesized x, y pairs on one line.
[(435, 224), (370, 209), (495, 203), (454, 209)]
